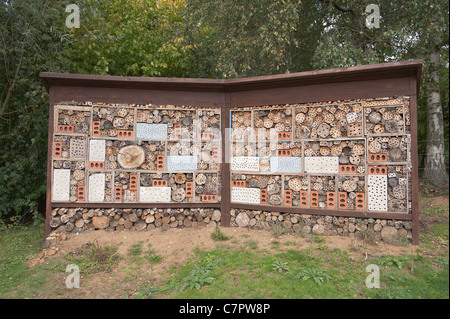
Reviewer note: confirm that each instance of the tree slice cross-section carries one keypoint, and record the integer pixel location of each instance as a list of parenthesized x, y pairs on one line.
[(131, 156)]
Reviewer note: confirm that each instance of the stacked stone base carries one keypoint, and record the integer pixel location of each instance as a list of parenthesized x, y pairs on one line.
[(77, 220), (367, 228)]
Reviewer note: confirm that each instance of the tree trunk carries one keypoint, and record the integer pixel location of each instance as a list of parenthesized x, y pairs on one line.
[(435, 169)]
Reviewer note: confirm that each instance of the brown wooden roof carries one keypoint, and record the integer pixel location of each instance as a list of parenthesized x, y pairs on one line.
[(348, 74)]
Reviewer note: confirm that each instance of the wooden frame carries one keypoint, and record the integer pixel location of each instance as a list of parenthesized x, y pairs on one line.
[(359, 82)]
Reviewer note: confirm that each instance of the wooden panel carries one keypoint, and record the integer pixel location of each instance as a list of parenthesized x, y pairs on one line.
[(389, 79), (322, 92), (118, 95)]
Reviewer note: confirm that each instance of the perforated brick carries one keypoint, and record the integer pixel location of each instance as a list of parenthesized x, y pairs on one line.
[(160, 162), (314, 199), (245, 163), (61, 185), (238, 183), (377, 193), (96, 165), (285, 136), (182, 163), (215, 153), (342, 200), (159, 183), (303, 198), (245, 195), (360, 202), (96, 188), (150, 131), (125, 133), (57, 149), (77, 148), (209, 198), (118, 194), (154, 194), (205, 136), (263, 196), (287, 198), (65, 129), (331, 200), (379, 157), (322, 164), (377, 170), (189, 189), (133, 182), (81, 193), (177, 132), (96, 128), (284, 153), (97, 150), (350, 169)]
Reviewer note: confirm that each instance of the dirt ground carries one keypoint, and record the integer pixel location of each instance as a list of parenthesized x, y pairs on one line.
[(176, 246)]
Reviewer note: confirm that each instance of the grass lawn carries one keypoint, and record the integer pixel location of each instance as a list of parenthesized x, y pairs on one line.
[(308, 273), (17, 245)]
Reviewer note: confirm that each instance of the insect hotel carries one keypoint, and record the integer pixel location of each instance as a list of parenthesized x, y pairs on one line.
[(329, 152)]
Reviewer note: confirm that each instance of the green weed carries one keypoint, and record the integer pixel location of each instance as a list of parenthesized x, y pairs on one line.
[(93, 258), (317, 275), (280, 266), (218, 235)]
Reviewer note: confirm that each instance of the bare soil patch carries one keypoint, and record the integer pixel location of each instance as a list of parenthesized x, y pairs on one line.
[(177, 246)]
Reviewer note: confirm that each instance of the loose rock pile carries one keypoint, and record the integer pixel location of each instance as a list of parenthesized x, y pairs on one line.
[(387, 230), (75, 220), (83, 219)]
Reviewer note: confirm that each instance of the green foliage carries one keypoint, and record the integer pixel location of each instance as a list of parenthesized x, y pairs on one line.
[(146, 291), (280, 266), (398, 261), (218, 235), (31, 43), (200, 275), (237, 273), (135, 250), (177, 38), (18, 245), (315, 274), (277, 229), (135, 38), (94, 258), (244, 38), (151, 256)]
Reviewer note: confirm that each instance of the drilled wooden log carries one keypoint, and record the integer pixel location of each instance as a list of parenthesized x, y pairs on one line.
[(69, 227), (128, 224), (64, 218), (79, 223), (150, 219), (55, 222)]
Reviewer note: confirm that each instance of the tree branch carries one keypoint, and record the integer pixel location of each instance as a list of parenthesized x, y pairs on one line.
[(338, 6), (11, 88)]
